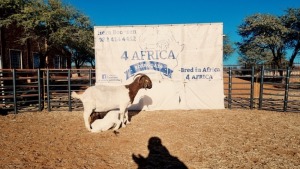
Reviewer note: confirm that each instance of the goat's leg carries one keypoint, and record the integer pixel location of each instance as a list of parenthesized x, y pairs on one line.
[(86, 116), (126, 120), (122, 115), (88, 110), (117, 125)]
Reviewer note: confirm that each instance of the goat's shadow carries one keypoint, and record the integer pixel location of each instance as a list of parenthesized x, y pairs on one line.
[(158, 157), (134, 109)]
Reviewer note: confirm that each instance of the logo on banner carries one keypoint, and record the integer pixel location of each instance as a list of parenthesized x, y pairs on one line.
[(148, 65), (157, 45), (110, 78)]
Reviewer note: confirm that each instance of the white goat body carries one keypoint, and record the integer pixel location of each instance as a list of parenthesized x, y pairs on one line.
[(110, 120), (103, 98)]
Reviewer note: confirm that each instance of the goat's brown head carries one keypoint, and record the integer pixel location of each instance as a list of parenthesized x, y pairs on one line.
[(144, 81)]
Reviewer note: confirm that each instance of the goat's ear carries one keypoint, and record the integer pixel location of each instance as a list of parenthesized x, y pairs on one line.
[(146, 84), (141, 80)]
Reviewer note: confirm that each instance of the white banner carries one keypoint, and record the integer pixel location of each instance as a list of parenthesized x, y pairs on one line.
[(184, 63)]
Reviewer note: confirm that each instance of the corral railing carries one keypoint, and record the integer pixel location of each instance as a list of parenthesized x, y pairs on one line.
[(50, 89), (262, 88), (20, 89), (60, 83), (42, 89)]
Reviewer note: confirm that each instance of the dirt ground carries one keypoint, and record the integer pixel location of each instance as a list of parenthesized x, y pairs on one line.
[(156, 139)]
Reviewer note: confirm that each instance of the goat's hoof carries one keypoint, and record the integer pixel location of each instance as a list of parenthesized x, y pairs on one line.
[(123, 125), (116, 132)]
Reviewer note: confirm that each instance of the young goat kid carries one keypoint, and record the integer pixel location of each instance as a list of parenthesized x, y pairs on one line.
[(110, 120), (103, 98)]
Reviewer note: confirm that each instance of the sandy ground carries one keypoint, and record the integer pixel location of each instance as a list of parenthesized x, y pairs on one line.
[(156, 139)]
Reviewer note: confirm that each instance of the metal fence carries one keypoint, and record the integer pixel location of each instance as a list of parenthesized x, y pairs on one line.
[(42, 89), (50, 89), (261, 88)]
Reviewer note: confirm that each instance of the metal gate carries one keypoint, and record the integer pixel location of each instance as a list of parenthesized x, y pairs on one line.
[(262, 88)]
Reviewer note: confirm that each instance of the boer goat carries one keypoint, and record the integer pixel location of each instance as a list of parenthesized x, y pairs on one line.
[(103, 98)]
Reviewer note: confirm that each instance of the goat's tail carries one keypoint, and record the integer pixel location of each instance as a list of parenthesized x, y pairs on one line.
[(75, 95)]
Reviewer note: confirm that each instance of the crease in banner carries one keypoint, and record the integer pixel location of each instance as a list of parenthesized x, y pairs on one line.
[(148, 65)]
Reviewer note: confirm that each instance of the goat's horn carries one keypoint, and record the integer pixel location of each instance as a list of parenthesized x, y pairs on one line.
[(139, 74)]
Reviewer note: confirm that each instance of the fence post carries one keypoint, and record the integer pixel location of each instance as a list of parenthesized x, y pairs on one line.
[(261, 86), (39, 88), (230, 88), (252, 88), (48, 88), (69, 89), (90, 76), (286, 92), (14, 91)]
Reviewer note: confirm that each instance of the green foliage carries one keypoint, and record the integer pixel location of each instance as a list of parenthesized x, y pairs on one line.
[(266, 38), (8, 8), (291, 20), (53, 25), (227, 47)]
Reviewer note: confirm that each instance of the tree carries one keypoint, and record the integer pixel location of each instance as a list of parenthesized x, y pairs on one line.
[(56, 28), (267, 38), (227, 47), (81, 44), (291, 20), (8, 8), (251, 55)]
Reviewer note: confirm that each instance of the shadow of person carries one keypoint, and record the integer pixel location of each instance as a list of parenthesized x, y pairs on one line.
[(159, 157)]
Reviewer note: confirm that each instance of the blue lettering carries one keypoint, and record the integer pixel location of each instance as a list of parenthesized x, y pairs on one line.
[(151, 55), (135, 55), (160, 54), (171, 55)]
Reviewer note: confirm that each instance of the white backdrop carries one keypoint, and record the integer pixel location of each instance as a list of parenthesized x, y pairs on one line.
[(184, 62)]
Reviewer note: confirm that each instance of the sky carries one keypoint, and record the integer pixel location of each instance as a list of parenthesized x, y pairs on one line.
[(142, 12)]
